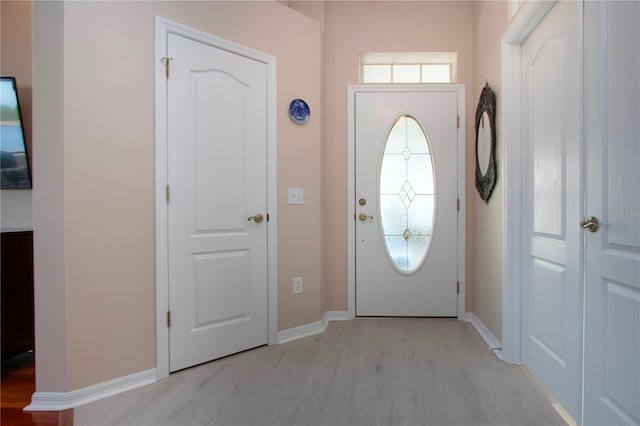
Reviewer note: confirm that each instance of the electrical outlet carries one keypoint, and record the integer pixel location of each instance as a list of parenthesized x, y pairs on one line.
[(298, 285)]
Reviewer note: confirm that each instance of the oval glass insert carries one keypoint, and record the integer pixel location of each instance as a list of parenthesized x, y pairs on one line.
[(407, 195)]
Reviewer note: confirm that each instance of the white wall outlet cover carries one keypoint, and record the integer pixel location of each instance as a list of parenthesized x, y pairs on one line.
[(296, 195), (298, 285)]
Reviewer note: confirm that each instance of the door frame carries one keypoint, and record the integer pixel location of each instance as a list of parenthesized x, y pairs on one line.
[(164, 27), (523, 24), (352, 90)]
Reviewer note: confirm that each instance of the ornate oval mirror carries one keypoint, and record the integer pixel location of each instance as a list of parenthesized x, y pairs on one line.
[(486, 168), (484, 143)]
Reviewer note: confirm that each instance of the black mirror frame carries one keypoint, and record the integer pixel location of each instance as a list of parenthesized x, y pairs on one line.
[(486, 182)]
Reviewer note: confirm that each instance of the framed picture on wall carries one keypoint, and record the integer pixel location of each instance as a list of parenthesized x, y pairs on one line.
[(14, 159)]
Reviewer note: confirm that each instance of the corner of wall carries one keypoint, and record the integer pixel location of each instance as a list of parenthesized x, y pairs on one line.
[(49, 197)]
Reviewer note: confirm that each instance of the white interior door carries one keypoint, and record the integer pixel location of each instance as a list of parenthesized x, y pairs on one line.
[(217, 174), (552, 205), (612, 309), (406, 187)]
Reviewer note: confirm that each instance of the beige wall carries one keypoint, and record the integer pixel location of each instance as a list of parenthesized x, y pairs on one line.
[(314, 9), (94, 206), (15, 54), (105, 228), (490, 19), (355, 27), (15, 61), (49, 239)]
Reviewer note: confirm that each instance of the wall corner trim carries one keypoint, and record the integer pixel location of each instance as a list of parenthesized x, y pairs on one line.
[(58, 401), (493, 343), (310, 329)]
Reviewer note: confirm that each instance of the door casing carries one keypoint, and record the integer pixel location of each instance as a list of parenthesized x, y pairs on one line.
[(351, 182), (162, 28), (526, 20)]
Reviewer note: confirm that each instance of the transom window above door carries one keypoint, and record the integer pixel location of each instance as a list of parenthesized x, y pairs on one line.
[(408, 67)]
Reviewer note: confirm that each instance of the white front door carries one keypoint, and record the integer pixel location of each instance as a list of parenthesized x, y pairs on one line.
[(406, 190), (552, 204), (612, 262), (217, 175)]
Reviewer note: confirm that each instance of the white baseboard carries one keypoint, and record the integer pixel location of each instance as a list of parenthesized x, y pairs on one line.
[(485, 333), (58, 401), (307, 330), (301, 331), (336, 316)]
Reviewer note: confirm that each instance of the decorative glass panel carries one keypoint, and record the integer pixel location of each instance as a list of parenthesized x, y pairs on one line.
[(393, 174), (407, 195)]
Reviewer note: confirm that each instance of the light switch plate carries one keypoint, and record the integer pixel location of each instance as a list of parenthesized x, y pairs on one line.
[(296, 195), (298, 285)]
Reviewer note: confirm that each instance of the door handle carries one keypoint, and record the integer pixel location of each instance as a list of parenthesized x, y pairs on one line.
[(258, 218), (591, 224), (363, 217)]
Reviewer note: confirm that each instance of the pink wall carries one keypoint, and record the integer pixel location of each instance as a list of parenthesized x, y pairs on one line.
[(15, 61), (490, 19), (106, 241), (352, 28), (95, 208), (49, 239), (15, 54)]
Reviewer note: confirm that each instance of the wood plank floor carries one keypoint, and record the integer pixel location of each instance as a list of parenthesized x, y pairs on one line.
[(18, 384), (366, 371)]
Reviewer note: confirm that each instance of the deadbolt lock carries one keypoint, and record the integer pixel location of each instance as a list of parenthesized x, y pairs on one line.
[(362, 201)]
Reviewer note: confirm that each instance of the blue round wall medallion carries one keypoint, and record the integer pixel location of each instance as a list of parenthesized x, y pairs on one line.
[(299, 111)]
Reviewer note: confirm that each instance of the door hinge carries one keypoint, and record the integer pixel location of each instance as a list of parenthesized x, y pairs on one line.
[(168, 318), (167, 193), (166, 60), (458, 287), (458, 122), (458, 204)]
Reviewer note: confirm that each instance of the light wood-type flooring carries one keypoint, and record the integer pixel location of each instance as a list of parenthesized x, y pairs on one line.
[(361, 372)]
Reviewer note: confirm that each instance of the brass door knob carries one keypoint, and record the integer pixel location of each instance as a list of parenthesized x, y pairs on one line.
[(363, 217), (258, 218), (591, 224)]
